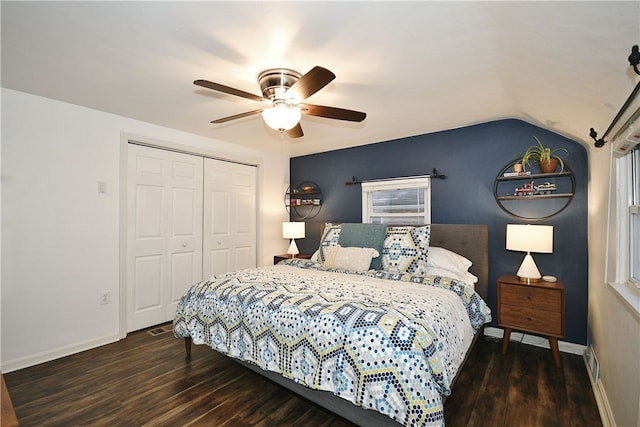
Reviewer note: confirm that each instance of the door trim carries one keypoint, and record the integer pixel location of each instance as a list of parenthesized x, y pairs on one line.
[(129, 138)]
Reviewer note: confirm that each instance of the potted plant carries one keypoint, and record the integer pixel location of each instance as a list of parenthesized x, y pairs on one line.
[(545, 156)]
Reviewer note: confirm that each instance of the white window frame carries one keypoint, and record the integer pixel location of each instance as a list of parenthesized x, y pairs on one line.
[(421, 182), (618, 271), (633, 213)]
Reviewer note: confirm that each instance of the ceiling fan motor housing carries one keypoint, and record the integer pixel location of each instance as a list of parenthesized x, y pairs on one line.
[(275, 82)]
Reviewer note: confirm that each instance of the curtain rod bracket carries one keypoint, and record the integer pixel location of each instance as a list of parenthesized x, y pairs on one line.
[(634, 59), (354, 181), (437, 175), (598, 142)]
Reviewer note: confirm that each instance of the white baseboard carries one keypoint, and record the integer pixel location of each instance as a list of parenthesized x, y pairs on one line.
[(565, 347), (46, 356), (606, 415)]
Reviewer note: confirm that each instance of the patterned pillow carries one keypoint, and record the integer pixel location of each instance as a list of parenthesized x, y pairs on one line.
[(405, 249), (330, 237)]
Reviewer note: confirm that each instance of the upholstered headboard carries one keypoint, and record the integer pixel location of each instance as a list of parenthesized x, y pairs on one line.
[(470, 241)]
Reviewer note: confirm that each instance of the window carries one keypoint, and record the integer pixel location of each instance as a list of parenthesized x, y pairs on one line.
[(623, 242), (634, 215), (397, 201)]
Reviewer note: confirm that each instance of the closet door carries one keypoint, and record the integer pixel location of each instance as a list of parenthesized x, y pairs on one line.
[(229, 217), (164, 232)]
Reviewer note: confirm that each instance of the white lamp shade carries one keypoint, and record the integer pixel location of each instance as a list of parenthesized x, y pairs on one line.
[(293, 230), (281, 117), (530, 238)]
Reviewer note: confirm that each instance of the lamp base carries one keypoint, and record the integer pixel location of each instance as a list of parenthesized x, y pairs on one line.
[(529, 279), (293, 249), (528, 271)]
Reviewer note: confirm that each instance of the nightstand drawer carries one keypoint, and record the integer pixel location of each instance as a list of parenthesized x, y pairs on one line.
[(526, 296), (531, 319)]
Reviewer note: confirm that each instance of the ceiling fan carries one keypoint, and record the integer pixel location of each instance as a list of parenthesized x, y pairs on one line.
[(283, 90)]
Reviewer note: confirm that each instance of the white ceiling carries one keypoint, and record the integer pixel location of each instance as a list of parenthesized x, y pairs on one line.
[(413, 67)]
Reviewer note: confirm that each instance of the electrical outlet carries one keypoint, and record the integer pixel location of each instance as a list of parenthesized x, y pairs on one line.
[(104, 297)]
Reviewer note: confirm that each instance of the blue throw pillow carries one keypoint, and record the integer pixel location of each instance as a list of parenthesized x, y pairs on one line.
[(364, 236)]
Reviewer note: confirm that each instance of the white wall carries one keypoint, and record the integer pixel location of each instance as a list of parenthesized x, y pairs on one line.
[(60, 237), (614, 329)]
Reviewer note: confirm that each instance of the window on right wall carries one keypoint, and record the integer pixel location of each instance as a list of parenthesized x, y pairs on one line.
[(634, 216), (623, 243)]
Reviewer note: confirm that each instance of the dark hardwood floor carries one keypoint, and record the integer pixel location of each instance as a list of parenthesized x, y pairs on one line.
[(147, 380)]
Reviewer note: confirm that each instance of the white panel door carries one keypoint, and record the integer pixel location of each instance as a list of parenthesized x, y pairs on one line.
[(164, 232), (229, 217)]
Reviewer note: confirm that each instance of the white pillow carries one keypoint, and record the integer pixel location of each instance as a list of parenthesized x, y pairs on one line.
[(349, 258), (445, 259), (466, 277)]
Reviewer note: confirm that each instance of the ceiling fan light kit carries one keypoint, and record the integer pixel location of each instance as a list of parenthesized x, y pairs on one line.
[(284, 90), (281, 116)]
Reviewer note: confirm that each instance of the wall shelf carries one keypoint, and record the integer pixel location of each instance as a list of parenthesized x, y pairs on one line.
[(534, 206), (539, 196), (532, 176), (303, 200)]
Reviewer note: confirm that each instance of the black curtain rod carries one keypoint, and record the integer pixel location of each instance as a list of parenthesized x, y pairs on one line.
[(434, 174), (634, 60)]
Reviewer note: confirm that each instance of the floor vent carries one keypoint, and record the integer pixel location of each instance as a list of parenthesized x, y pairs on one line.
[(594, 365), (160, 331)]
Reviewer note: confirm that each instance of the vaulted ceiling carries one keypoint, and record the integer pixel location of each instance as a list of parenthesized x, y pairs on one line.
[(413, 67)]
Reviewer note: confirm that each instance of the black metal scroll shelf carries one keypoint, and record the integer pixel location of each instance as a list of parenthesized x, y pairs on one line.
[(434, 174), (634, 60)]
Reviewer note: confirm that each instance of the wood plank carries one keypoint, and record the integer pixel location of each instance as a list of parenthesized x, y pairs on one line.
[(7, 415), (147, 380)]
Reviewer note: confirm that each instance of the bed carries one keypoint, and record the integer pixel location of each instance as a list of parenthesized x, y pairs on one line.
[(379, 346)]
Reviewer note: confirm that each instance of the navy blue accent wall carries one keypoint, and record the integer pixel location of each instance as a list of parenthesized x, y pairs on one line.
[(470, 157)]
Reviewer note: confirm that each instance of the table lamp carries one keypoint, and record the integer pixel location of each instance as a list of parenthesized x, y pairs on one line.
[(293, 230), (529, 238)]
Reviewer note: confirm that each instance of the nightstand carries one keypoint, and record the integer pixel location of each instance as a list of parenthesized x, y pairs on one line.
[(536, 307), (278, 258)]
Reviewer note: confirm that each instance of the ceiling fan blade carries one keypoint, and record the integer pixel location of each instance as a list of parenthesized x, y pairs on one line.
[(332, 112), (295, 132), (227, 89), (310, 83), (236, 116)]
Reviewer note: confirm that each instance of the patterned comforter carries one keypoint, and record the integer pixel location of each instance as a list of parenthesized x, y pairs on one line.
[(391, 343)]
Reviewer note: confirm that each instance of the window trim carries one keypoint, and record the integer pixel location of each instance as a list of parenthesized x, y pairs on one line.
[(369, 187), (618, 249)]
